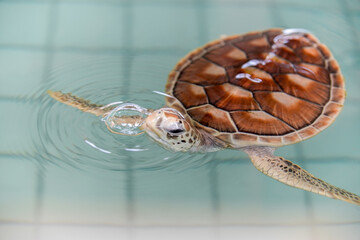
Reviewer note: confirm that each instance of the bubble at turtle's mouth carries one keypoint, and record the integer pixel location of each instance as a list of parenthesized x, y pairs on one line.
[(126, 119)]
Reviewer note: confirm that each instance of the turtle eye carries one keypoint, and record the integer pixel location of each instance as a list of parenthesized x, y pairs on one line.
[(176, 131)]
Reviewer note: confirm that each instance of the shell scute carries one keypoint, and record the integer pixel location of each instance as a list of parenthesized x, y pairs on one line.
[(253, 79), (305, 88), (333, 66), (212, 117), (324, 51), (198, 94), (204, 73), (272, 34), (255, 46), (311, 55), (230, 56), (294, 111), (338, 80), (231, 98), (314, 72), (259, 122), (287, 53)]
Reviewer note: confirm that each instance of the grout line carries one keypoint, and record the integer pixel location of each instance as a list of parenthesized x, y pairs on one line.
[(50, 38), (49, 57), (95, 50), (346, 11), (277, 19), (224, 161), (203, 37), (302, 160), (201, 18), (126, 83), (214, 191)]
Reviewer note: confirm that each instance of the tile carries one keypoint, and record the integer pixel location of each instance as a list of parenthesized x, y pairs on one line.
[(18, 189), (328, 5), (229, 19), (354, 17), (166, 197), (164, 26), (349, 67), (22, 72), (176, 233), (89, 26), (346, 231), (338, 141), (23, 23), (18, 231), (77, 196), (249, 197), (269, 232), (82, 232), (352, 5), (337, 37), (150, 71), (74, 69), (341, 174), (124, 77), (18, 128)]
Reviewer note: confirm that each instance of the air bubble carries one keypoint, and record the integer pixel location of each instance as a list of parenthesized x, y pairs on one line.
[(126, 119)]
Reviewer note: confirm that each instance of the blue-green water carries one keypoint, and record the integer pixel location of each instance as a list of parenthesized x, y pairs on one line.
[(62, 173)]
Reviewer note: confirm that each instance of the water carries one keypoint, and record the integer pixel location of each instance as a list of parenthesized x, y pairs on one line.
[(63, 172), (90, 142)]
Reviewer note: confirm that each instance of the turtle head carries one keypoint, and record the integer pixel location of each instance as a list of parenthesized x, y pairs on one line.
[(169, 128)]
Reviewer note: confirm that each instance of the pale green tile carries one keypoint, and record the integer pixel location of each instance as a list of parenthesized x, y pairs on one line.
[(75, 196), (349, 66), (150, 71), (23, 23), (341, 174), (249, 197), (89, 25), (18, 189), (22, 72), (164, 26), (329, 26), (18, 231), (18, 128), (354, 17), (236, 19), (328, 5), (335, 232), (338, 141), (169, 197), (82, 68), (271, 232)]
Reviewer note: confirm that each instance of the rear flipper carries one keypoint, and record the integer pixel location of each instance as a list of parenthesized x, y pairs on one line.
[(291, 174)]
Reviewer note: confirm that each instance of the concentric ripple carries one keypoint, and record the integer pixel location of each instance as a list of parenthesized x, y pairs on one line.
[(66, 136)]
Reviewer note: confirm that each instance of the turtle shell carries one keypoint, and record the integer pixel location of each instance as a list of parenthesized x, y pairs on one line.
[(269, 88)]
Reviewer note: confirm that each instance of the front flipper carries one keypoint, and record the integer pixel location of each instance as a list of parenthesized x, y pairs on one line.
[(116, 117), (291, 174), (79, 103)]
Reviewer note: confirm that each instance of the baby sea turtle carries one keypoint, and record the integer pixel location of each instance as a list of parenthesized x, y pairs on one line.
[(253, 92)]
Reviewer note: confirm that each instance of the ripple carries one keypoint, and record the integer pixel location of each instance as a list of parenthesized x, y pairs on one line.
[(67, 137)]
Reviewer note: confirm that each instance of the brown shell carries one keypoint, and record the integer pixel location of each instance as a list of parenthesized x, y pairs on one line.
[(272, 88)]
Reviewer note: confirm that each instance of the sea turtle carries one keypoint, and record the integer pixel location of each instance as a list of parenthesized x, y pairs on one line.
[(252, 92)]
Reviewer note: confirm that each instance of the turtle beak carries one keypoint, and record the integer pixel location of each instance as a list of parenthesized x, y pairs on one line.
[(151, 124)]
